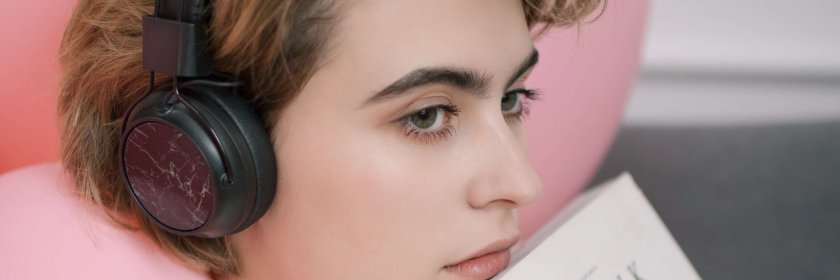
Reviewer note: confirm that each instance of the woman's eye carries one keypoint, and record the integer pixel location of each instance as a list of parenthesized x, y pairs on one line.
[(427, 118), (431, 124), (513, 106), (511, 103)]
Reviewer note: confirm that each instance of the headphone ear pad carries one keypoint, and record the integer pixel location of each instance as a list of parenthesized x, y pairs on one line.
[(245, 123)]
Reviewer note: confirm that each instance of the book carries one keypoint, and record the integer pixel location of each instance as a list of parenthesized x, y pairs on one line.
[(608, 232)]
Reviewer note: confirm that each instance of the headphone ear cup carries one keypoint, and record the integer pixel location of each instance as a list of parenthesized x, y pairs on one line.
[(203, 167), (258, 148)]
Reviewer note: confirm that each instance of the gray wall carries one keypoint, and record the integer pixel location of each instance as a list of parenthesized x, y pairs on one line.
[(733, 133)]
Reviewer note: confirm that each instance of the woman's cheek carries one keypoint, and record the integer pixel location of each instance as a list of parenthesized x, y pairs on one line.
[(386, 201)]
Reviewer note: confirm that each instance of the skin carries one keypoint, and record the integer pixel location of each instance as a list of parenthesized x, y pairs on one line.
[(358, 197)]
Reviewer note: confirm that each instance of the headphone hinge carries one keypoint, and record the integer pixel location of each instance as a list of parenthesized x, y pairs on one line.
[(175, 48)]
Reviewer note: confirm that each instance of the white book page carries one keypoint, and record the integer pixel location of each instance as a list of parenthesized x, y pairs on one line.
[(608, 232)]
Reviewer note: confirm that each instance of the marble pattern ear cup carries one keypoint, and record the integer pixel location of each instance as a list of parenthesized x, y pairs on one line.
[(214, 135), (168, 176)]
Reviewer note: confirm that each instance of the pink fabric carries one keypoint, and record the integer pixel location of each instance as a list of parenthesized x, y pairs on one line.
[(49, 233)]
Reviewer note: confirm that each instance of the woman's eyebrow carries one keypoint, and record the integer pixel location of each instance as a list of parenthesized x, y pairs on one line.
[(469, 80), (466, 79), (526, 65)]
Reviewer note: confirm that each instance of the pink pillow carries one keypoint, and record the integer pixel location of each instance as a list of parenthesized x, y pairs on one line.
[(49, 233)]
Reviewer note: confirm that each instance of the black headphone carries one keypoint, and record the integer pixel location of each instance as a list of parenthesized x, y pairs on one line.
[(195, 157)]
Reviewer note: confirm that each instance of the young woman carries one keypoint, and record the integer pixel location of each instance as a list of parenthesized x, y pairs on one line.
[(395, 125)]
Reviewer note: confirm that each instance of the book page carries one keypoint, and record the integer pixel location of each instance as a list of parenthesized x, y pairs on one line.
[(608, 232)]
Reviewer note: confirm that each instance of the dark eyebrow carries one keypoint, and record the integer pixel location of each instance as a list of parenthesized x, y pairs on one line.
[(524, 67), (469, 80)]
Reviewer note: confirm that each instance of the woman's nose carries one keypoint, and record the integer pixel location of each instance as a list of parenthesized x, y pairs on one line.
[(505, 176)]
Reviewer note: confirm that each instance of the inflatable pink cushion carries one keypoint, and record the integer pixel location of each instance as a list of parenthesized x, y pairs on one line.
[(50, 233), (585, 78)]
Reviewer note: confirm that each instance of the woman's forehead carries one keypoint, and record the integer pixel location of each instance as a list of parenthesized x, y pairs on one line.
[(395, 37)]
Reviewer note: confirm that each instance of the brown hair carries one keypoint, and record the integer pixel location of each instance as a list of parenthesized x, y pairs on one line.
[(261, 41)]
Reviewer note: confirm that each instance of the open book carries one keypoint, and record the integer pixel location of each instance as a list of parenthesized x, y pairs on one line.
[(608, 232)]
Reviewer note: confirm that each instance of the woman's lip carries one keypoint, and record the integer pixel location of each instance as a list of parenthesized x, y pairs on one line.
[(486, 262), (482, 267)]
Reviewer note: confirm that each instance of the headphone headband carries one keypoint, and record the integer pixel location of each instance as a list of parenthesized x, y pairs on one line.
[(191, 11), (174, 41)]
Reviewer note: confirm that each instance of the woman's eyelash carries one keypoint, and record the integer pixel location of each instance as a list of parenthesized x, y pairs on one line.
[(530, 95), (449, 109), (429, 137)]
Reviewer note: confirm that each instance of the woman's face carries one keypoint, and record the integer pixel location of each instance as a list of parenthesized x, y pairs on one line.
[(404, 154)]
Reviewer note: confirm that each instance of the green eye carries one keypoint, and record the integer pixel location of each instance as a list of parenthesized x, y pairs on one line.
[(510, 102), (426, 118)]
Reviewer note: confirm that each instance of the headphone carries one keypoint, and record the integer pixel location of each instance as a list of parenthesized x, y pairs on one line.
[(194, 156)]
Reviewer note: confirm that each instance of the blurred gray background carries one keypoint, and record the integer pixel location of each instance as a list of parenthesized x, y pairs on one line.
[(733, 133)]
